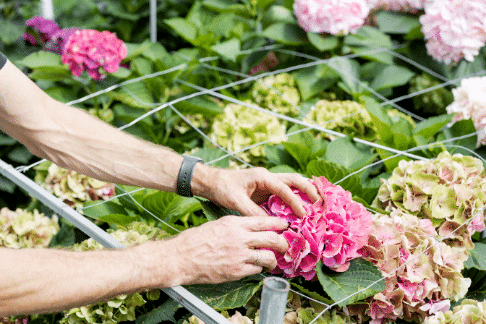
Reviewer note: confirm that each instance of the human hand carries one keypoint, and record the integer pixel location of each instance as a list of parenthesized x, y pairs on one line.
[(245, 190), (227, 249)]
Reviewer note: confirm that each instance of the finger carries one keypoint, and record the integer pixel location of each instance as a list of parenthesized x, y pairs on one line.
[(269, 240), (263, 258), (264, 223), (248, 207), (303, 184), (282, 190)]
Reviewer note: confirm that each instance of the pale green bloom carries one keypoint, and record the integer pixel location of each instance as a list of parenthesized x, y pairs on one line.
[(277, 93), (73, 188), (468, 312), (449, 190), (24, 229), (240, 126), (346, 117), (120, 308)]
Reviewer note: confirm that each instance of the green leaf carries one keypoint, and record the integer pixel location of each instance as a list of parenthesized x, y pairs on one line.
[(349, 71), (136, 49), (211, 154), (380, 119), (477, 257), (20, 154), (369, 38), (65, 237), (278, 14), (227, 295), (117, 219), (6, 140), (315, 79), (396, 23), (335, 173), (213, 211), (342, 151), (311, 294), (169, 205), (142, 65), (165, 312), (341, 285), (282, 169), (7, 185), (184, 28), (431, 126), (323, 43), (392, 76), (228, 49), (301, 153), (40, 59), (155, 51), (121, 73), (51, 73), (134, 94), (202, 105), (98, 210), (285, 33), (10, 32), (277, 155)]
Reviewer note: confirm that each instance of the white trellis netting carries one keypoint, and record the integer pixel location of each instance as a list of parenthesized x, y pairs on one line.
[(189, 301)]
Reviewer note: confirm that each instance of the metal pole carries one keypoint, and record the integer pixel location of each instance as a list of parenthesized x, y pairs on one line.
[(178, 293), (274, 300), (47, 9), (153, 20)]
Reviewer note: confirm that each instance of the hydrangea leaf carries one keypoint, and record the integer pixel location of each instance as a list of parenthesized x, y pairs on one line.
[(392, 76), (184, 28), (477, 257), (282, 169), (323, 43), (41, 59), (164, 312), (214, 212), (396, 23), (285, 33), (361, 280), (118, 219), (98, 210), (227, 295), (431, 126), (201, 105), (334, 173), (228, 49), (300, 153), (343, 152), (311, 294), (210, 154), (315, 79), (277, 155), (170, 205)]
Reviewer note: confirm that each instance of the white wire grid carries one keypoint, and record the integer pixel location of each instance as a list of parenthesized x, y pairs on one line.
[(313, 61)]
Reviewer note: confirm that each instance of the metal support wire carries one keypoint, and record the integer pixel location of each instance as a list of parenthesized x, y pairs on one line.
[(178, 293), (47, 9)]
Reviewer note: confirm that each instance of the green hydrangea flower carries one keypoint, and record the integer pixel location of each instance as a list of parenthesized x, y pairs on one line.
[(24, 229), (237, 318), (120, 308), (432, 102), (449, 190), (278, 93), (240, 127), (73, 188), (468, 312), (347, 117)]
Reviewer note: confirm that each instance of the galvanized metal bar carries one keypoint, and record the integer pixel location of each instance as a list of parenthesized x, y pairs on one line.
[(179, 294), (274, 300), (47, 9), (153, 20)]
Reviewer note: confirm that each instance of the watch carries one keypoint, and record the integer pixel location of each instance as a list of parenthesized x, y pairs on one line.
[(185, 175)]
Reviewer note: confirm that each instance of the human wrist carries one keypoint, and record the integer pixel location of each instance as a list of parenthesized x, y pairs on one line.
[(202, 180)]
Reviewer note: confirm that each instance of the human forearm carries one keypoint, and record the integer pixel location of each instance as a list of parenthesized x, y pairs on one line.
[(47, 280)]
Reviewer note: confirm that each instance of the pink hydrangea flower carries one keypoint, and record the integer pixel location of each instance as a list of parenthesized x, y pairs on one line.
[(45, 29), (454, 30), (94, 51), (334, 230), (337, 17)]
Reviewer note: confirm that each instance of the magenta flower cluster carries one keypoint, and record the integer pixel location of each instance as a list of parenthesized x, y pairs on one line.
[(94, 51), (334, 230), (44, 28)]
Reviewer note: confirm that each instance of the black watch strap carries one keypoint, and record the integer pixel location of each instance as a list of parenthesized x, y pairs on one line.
[(185, 175)]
